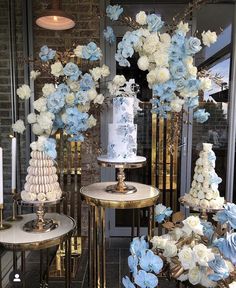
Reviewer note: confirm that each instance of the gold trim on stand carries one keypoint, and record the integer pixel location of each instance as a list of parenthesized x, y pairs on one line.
[(3, 226)]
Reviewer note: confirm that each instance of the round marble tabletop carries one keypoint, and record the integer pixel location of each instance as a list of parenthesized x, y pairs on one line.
[(16, 238), (137, 162), (95, 194)]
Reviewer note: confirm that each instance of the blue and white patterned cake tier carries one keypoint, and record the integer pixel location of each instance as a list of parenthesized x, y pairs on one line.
[(123, 110)]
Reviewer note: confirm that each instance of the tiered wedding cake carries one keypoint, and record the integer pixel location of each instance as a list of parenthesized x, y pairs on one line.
[(122, 133), (204, 191), (41, 182)]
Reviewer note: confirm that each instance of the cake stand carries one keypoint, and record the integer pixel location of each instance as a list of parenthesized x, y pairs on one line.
[(121, 186), (40, 224)]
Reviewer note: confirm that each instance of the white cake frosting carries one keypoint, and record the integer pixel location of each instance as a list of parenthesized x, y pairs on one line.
[(42, 181), (122, 133)]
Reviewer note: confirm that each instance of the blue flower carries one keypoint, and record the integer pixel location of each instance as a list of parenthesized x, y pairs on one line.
[(55, 102), (161, 213), (201, 115), (63, 89), (154, 23), (192, 85), (176, 54), (145, 280), (227, 247), (81, 97), (221, 270), (151, 262), (192, 102), (127, 283), (138, 246), (86, 82), (49, 148), (91, 52), (208, 229), (114, 12), (160, 108), (109, 35), (123, 62), (214, 178), (58, 123), (72, 71), (178, 39), (130, 38), (79, 137), (46, 54), (76, 121), (228, 215), (178, 70), (165, 91), (180, 84), (133, 263), (211, 156), (192, 46)]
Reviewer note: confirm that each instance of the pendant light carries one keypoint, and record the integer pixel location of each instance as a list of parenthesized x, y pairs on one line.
[(54, 18)]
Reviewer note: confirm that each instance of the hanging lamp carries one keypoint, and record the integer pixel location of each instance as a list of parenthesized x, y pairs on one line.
[(54, 18)]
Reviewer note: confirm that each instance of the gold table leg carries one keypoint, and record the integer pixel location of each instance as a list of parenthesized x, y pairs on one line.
[(151, 223), (103, 246)]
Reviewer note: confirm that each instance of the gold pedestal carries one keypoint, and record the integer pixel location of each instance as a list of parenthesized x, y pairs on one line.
[(3, 226), (14, 216)]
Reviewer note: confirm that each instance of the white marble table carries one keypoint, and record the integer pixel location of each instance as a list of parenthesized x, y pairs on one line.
[(99, 199), (16, 239)]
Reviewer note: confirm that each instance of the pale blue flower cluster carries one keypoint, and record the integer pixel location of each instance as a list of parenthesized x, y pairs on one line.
[(72, 71), (220, 268), (162, 213), (208, 229), (227, 215), (49, 147), (154, 22), (55, 102), (91, 52), (214, 178), (201, 115), (227, 247), (86, 82), (114, 12), (143, 264), (109, 35), (46, 53)]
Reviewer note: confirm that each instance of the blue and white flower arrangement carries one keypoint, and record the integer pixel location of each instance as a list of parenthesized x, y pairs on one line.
[(168, 58), (67, 101)]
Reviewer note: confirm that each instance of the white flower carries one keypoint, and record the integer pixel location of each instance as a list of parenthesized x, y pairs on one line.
[(143, 63), (177, 233), (207, 147), (206, 282), (32, 118), (204, 203), (34, 74), (192, 70), (151, 77), (183, 27), (161, 59), (195, 275), (202, 255), (41, 197), (158, 242), (165, 38), (209, 38), (193, 224), (57, 69), (45, 120), (230, 266), (78, 51), (99, 99), (205, 83), (200, 178), (96, 73), (141, 18), (18, 126), (162, 74), (91, 121), (232, 285), (74, 85), (84, 108), (159, 209), (40, 105), (209, 195), (92, 94), (188, 60), (186, 258), (24, 92), (195, 201), (150, 45), (119, 80), (40, 143), (105, 70), (48, 89), (170, 249), (176, 104), (201, 195), (183, 277), (37, 130), (33, 146), (70, 98)]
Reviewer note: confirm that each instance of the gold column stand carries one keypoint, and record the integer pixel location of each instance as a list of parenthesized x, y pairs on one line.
[(3, 226), (121, 186), (14, 216)]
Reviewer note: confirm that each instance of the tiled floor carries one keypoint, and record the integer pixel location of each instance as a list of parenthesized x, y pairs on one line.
[(117, 254)]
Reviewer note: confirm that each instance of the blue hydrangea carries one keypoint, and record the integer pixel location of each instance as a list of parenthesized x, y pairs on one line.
[(123, 62), (49, 148), (109, 35), (227, 247), (91, 52), (220, 268), (76, 121), (55, 102), (72, 71), (178, 70), (63, 89), (192, 85), (192, 46), (201, 115), (160, 108), (46, 53), (228, 215), (154, 23), (165, 91), (86, 82), (114, 12), (176, 54), (146, 280), (178, 39), (151, 262), (81, 97), (180, 84)]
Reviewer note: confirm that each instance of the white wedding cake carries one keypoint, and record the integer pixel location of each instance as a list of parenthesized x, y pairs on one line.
[(204, 191), (122, 133), (42, 181)]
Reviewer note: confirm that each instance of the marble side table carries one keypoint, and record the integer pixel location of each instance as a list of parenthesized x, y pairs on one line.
[(98, 199), (16, 239)]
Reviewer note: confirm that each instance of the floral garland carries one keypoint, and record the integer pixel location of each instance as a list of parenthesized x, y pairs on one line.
[(167, 57), (69, 101)]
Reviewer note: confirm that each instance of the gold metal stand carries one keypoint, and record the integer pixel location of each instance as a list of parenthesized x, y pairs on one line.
[(14, 216), (3, 226)]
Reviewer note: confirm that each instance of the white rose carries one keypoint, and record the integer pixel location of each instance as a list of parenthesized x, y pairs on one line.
[(143, 63), (158, 242), (205, 83), (183, 27), (48, 89), (33, 146), (40, 105), (34, 74), (36, 129), (177, 233), (91, 121), (202, 255), (41, 197), (45, 120), (209, 38), (165, 38), (176, 104), (186, 258), (195, 275), (24, 92), (206, 282), (150, 45), (170, 249), (204, 203), (78, 51), (207, 147), (32, 118), (57, 69), (183, 277), (74, 85), (232, 285), (51, 196), (96, 73), (159, 209), (194, 183), (141, 18), (40, 142), (209, 195), (119, 80), (92, 94), (161, 59), (70, 98), (18, 126), (193, 224), (199, 161), (99, 99), (192, 70), (105, 70), (195, 202), (151, 77)]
